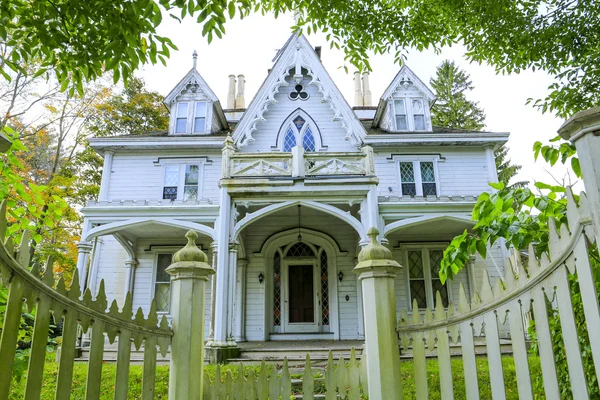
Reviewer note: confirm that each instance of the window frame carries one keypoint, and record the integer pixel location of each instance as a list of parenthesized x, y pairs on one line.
[(416, 161), (163, 250), (182, 164), (425, 248), (190, 117), (299, 135), (410, 114)]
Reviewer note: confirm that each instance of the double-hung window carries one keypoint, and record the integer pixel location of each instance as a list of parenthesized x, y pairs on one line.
[(162, 282), (190, 117), (182, 182), (410, 114), (418, 178), (423, 269)]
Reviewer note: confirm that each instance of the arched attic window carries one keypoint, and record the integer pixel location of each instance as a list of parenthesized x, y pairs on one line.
[(299, 128)]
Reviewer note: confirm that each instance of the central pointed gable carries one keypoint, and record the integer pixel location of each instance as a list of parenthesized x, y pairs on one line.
[(298, 54)]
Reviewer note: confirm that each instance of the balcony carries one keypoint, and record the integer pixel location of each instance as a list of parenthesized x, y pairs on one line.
[(298, 164)]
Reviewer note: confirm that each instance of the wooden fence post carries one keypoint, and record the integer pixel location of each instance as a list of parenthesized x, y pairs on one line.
[(376, 270), (189, 274)]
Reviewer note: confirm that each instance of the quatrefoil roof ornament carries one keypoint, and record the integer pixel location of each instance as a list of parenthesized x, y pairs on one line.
[(298, 93)]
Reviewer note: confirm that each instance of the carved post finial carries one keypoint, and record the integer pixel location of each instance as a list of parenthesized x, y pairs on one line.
[(195, 57)]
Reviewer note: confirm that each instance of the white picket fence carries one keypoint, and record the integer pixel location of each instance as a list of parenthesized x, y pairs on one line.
[(536, 285), (342, 380)]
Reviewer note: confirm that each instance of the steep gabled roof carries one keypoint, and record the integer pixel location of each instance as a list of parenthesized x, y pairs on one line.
[(297, 51), (193, 76), (405, 77)]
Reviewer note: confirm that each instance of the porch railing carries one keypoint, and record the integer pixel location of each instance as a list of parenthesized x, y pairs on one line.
[(540, 285), (36, 288)]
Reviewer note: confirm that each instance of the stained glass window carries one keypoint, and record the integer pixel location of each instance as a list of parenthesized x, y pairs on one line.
[(308, 141), (300, 249), (428, 179), (277, 289), (324, 290), (289, 141), (162, 288), (435, 258), (417, 278), (299, 122), (407, 178)]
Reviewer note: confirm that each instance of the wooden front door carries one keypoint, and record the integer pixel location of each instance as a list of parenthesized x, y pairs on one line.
[(301, 298)]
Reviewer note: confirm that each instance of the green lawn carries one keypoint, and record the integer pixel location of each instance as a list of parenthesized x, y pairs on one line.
[(162, 378)]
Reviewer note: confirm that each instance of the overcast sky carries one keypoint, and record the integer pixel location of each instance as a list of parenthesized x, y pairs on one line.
[(250, 44)]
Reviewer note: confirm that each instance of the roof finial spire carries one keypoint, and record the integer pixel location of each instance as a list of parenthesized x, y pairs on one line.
[(195, 57)]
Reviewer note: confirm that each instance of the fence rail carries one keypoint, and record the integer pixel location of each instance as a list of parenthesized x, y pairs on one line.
[(36, 287), (536, 286)]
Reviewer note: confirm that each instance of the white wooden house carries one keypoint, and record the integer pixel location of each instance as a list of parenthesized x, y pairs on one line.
[(282, 194)]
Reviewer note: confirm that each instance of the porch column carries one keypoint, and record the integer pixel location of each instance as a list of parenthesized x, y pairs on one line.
[(83, 257), (106, 170), (130, 266), (220, 350), (376, 271), (233, 252), (213, 294), (240, 301)]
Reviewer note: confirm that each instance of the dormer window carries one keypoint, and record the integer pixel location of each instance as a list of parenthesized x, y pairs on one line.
[(182, 116), (190, 117), (401, 122), (409, 114)]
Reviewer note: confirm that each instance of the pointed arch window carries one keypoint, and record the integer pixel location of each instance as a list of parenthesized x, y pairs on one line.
[(299, 131)]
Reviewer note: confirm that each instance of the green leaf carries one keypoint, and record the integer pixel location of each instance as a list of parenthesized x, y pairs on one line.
[(576, 167), (497, 185)]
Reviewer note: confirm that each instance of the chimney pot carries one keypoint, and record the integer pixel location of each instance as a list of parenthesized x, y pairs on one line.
[(240, 101), (358, 95), (366, 89), (231, 92)]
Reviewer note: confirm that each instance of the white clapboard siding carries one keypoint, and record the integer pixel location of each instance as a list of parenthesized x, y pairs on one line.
[(135, 176), (331, 131), (463, 171)]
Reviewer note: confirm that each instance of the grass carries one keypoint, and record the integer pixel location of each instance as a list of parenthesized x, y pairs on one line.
[(162, 378)]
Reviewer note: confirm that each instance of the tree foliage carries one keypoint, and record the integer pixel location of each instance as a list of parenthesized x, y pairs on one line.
[(452, 109), (81, 40)]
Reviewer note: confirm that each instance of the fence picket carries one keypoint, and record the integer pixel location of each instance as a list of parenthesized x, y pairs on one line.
[(37, 356), (342, 378), (330, 379), (123, 352), (570, 334), (94, 375), (519, 349), (589, 297), (149, 374), (308, 381), (251, 386), (67, 355), (229, 388), (467, 348), (544, 340), (443, 351), (419, 363), (240, 384), (353, 377), (286, 380), (274, 386), (262, 387), (10, 333)]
